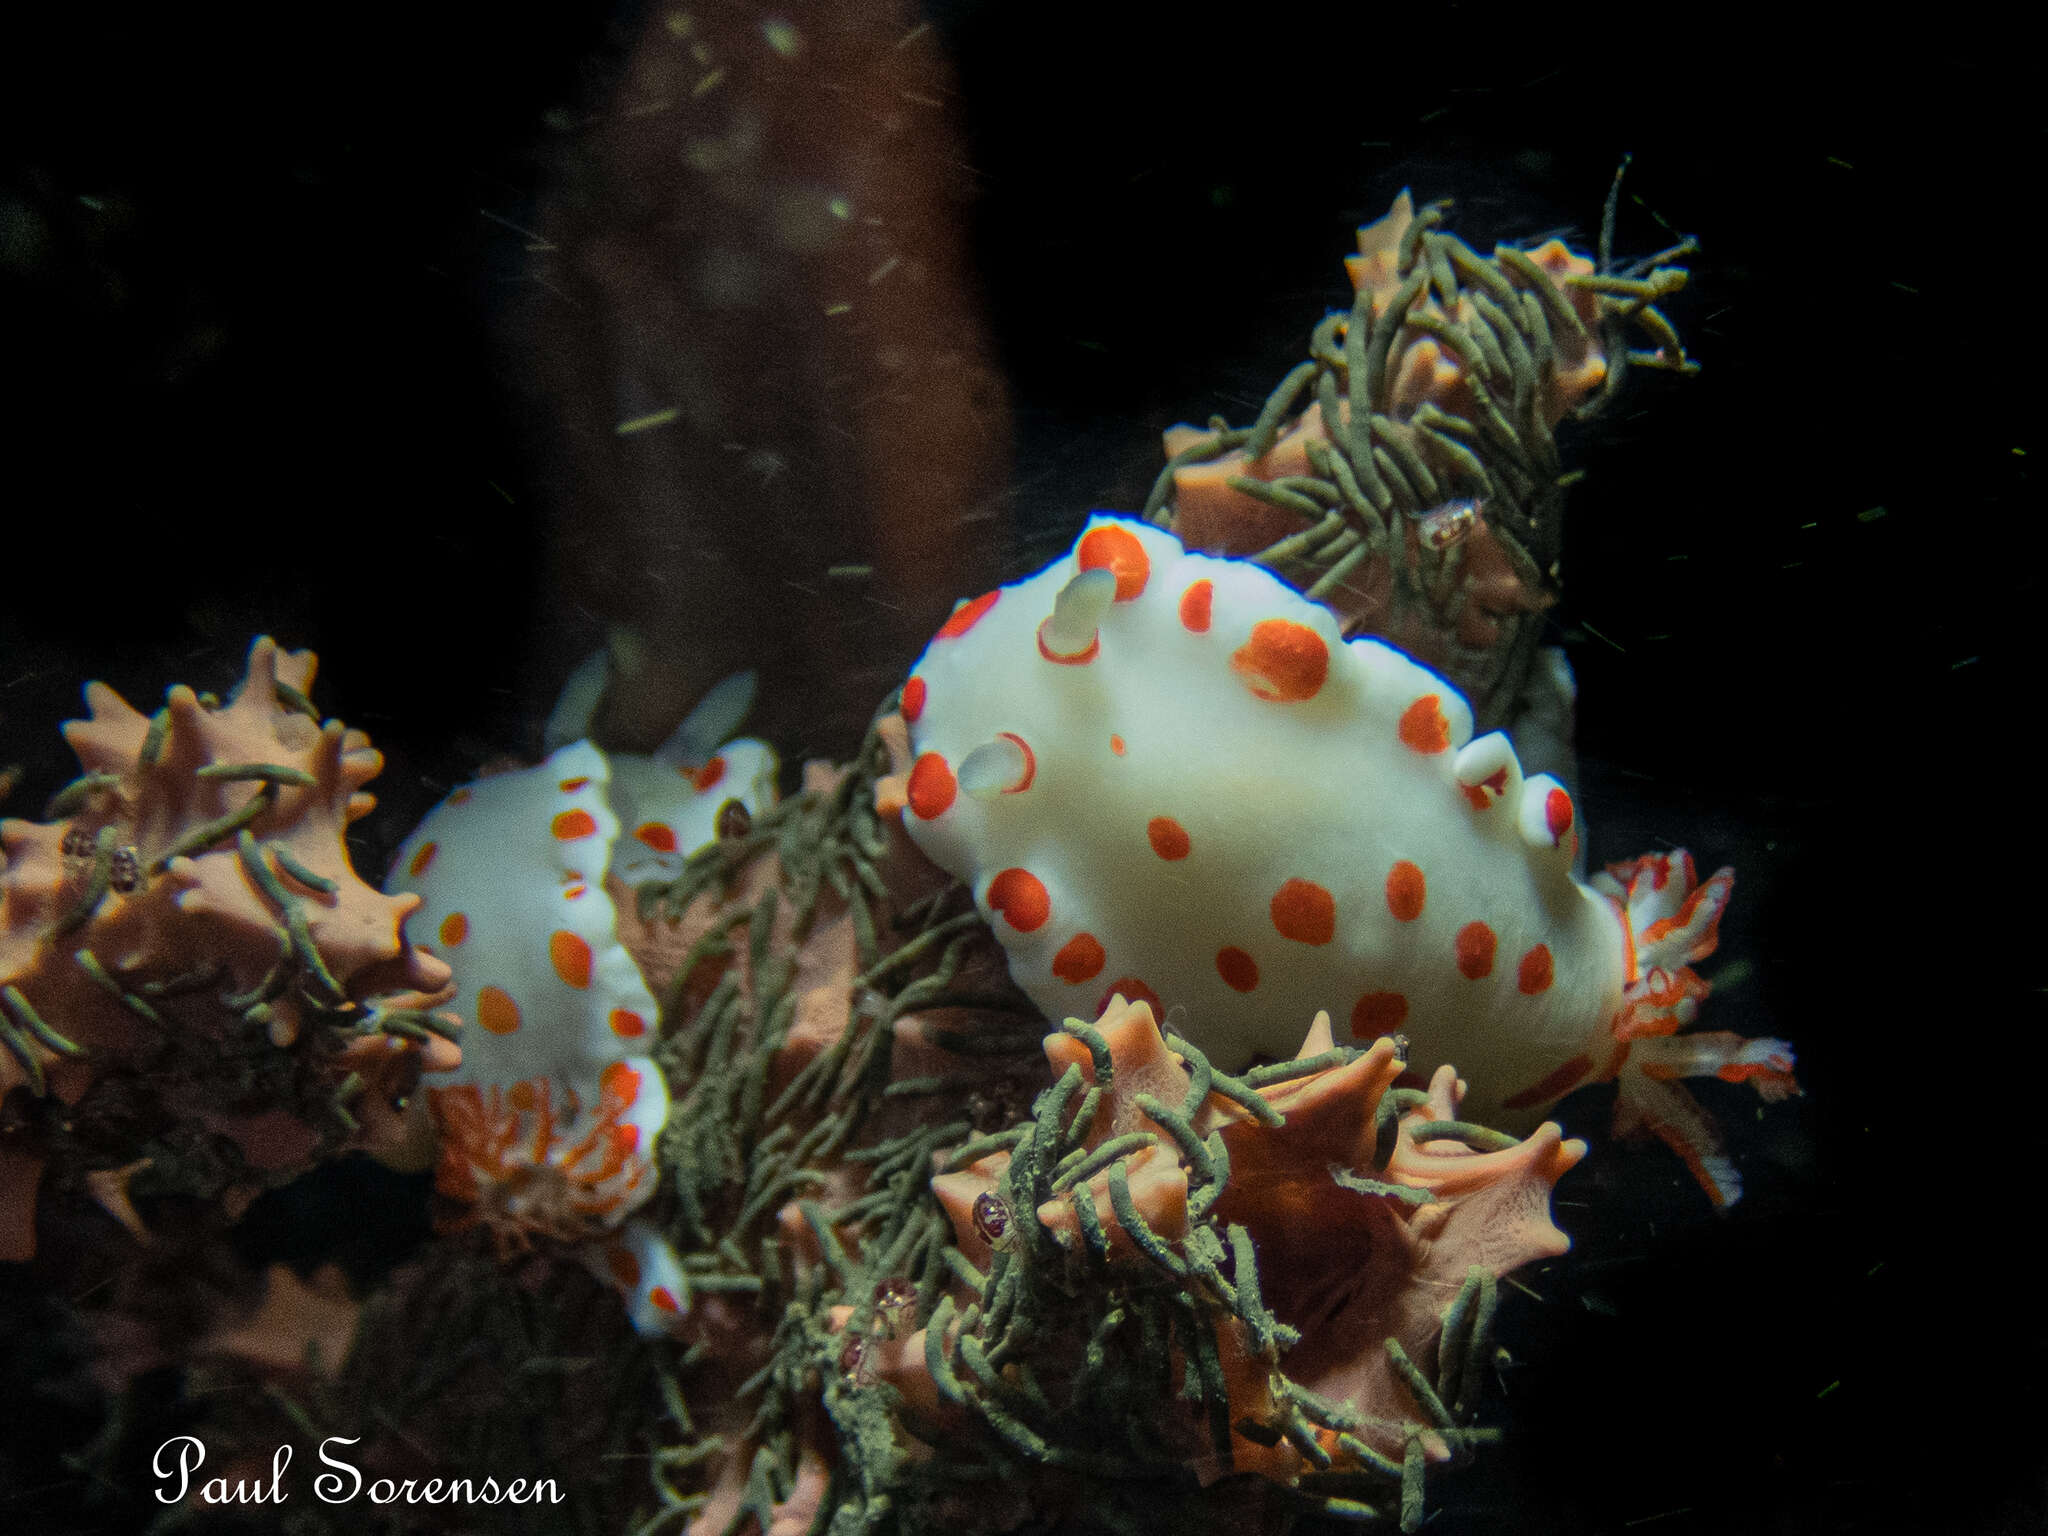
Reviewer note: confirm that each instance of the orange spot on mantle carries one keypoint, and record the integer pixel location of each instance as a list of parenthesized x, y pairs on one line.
[(1474, 947), (1557, 814), (966, 616), (570, 956), (1021, 897), (1304, 912), (1080, 959), (932, 786), (496, 1012), (1378, 1013), (1282, 661), (1406, 891), (1169, 838), (1240, 972), (1423, 726), (1118, 550), (570, 825)]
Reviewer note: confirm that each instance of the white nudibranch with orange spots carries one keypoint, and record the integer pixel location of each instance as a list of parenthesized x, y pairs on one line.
[(1168, 775), (548, 1128)]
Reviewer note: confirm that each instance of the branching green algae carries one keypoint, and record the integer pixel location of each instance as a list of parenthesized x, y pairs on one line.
[(1384, 466)]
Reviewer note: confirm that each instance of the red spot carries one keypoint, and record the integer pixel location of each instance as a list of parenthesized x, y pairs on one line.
[(1535, 972), (1116, 549), (704, 778), (1376, 1014), (1078, 659), (570, 786), (1283, 661), (1406, 891), (913, 699), (1030, 763), (576, 891), (460, 797), (625, 1139), (1475, 945), (1195, 604), (658, 835), (1423, 726), (1304, 912), (624, 1267), (627, 1024), (621, 1083), (454, 929), (1021, 897), (1134, 991), (570, 825), (496, 1011), (423, 858), (1116, 745), (1557, 814), (1240, 972), (1487, 790), (932, 786), (1169, 837), (1565, 1077), (966, 616), (570, 957), (664, 1299), (1080, 959)]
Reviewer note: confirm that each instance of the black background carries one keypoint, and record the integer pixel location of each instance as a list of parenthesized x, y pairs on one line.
[(251, 270)]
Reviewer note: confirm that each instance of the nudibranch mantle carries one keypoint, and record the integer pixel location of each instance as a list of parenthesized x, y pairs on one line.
[(1184, 785), (548, 1128)]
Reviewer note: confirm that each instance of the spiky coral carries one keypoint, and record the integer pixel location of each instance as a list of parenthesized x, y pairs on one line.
[(1294, 1232), (191, 966)]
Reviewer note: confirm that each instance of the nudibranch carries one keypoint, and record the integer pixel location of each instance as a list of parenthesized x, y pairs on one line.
[(548, 1128), (1168, 775), (187, 956)]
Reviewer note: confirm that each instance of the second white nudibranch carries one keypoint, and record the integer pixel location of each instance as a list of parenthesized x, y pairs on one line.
[(548, 1127)]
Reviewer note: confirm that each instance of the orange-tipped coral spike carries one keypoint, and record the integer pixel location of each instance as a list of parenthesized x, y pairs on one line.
[(194, 886), (1354, 1212)]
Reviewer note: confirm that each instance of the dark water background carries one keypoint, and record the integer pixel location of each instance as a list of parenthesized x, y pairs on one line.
[(252, 266)]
